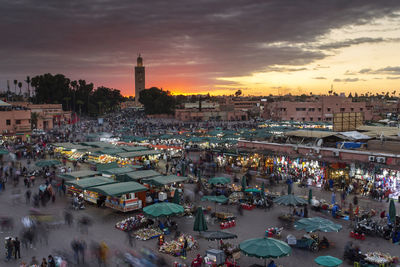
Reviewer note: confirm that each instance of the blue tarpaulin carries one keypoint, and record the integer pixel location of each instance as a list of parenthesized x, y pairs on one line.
[(349, 145)]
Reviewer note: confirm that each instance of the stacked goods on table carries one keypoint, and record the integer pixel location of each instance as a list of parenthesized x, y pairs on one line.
[(132, 223), (189, 209), (235, 197), (174, 247), (379, 258), (147, 233), (246, 206), (227, 224)]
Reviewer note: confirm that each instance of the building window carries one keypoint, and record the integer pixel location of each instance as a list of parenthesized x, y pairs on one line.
[(311, 109), (342, 109), (311, 119), (319, 109), (292, 119), (329, 109), (300, 109), (361, 109), (319, 119), (351, 109), (304, 119), (17, 121), (8, 122)]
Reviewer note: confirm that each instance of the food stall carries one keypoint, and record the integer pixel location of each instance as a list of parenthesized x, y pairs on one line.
[(115, 172), (124, 196), (84, 185), (174, 247), (78, 175), (164, 185), (133, 157), (137, 176), (133, 223)]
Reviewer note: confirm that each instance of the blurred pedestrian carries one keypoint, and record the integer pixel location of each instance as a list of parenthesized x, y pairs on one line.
[(50, 261), (17, 248), (44, 263)]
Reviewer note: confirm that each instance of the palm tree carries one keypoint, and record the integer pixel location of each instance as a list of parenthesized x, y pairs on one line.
[(20, 86), (15, 86), (28, 81), (34, 119), (100, 103), (67, 99), (80, 103)]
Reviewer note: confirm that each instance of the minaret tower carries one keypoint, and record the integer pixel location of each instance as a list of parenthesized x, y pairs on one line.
[(139, 78)]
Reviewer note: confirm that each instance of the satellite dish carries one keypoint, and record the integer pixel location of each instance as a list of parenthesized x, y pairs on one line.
[(319, 142)]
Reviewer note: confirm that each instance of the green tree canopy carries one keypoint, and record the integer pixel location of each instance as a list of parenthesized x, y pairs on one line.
[(157, 101)]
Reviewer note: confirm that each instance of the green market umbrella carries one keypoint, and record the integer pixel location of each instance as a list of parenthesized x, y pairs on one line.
[(244, 183), (265, 248), (309, 196), (252, 190), (289, 189), (4, 152), (177, 197), (218, 235), (328, 261), (200, 223), (44, 163), (215, 199), (219, 180), (317, 224), (163, 209), (290, 200), (219, 199), (392, 211)]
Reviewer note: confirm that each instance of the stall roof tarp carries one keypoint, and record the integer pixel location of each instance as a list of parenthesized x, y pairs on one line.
[(111, 151), (119, 189), (90, 182), (4, 104), (377, 131), (353, 135), (137, 175), (106, 166), (117, 171), (310, 134), (165, 180), (79, 174), (138, 153), (97, 144), (70, 146), (133, 148)]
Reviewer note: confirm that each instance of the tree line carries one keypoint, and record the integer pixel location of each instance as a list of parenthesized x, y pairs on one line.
[(78, 96)]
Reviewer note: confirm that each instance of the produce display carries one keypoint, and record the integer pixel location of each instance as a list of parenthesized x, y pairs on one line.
[(147, 233), (174, 247), (235, 197), (132, 223), (378, 257)]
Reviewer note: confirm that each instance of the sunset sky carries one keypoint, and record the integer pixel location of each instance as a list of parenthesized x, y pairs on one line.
[(216, 46)]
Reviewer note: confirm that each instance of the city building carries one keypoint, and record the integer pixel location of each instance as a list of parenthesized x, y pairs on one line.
[(317, 109), (47, 115), (139, 78), (209, 111), (15, 122)]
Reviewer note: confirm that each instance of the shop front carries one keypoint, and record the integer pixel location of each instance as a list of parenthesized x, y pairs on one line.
[(84, 185), (125, 196)]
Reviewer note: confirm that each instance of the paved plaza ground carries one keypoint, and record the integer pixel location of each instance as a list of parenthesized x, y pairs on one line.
[(252, 224)]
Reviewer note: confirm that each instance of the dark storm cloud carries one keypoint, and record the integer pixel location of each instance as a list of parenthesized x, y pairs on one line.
[(347, 80), (387, 70), (203, 39), (351, 42)]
